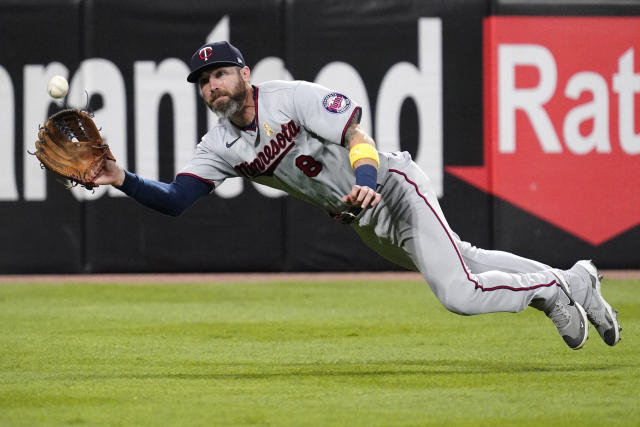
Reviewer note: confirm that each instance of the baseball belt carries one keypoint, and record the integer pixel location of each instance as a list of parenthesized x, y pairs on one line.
[(346, 217)]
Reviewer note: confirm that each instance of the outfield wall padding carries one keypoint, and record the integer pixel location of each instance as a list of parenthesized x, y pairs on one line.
[(417, 67)]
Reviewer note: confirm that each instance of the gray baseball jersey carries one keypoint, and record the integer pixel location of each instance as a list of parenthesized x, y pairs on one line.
[(297, 146)]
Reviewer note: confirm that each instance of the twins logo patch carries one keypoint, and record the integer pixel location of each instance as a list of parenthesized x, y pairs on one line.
[(336, 103)]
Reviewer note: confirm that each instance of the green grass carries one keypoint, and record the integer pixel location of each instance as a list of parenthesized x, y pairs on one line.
[(346, 353)]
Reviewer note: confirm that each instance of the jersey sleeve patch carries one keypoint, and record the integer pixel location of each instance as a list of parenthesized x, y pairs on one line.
[(336, 103)]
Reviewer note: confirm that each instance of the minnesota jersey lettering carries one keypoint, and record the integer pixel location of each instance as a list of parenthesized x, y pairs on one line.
[(274, 151)]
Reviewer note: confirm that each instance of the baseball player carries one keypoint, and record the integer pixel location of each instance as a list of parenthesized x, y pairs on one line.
[(306, 140)]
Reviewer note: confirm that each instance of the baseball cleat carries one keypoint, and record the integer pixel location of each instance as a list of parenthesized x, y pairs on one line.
[(570, 319), (599, 312)]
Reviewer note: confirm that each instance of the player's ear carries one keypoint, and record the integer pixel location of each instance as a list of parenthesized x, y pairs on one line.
[(245, 72)]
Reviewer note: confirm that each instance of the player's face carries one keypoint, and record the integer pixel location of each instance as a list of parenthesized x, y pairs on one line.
[(224, 90)]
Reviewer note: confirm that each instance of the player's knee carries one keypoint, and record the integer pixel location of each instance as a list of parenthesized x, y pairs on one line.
[(456, 297), (453, 301), (456, 307)]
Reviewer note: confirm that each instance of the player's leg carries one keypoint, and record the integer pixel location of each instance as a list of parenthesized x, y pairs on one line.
[(433, 249), (583, 279), (480, 260), (410, 217), (424, 234)]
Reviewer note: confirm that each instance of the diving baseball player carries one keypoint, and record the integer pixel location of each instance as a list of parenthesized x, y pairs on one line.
[(305, 139)]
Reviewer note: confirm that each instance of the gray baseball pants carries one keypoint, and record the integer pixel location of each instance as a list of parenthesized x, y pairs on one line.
[(409, 228)]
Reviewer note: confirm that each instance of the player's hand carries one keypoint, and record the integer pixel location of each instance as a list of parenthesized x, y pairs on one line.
[(110, 174), (363, 197)]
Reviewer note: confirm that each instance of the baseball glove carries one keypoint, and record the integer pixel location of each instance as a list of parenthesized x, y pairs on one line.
[(69, 144)]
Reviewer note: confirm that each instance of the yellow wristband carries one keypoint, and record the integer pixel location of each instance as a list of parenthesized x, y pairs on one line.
[(363, 151)]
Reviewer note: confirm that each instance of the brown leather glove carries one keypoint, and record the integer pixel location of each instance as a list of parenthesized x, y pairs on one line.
[(70, 145)]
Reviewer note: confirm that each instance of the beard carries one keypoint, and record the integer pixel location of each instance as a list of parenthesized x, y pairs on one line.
[(234, 102)]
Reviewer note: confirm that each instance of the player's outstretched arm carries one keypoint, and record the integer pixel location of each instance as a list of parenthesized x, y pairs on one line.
[(167, 198), (363, 154)]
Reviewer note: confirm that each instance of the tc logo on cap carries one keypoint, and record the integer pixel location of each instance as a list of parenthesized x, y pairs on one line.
[(205, 53)]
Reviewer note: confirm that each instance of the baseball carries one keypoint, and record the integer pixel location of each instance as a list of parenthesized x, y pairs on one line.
[(58, 87)]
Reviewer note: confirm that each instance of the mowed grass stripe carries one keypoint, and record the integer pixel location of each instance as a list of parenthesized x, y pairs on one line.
[(335, 353)]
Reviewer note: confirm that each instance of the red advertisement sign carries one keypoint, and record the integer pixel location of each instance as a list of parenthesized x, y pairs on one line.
[(562, 121)]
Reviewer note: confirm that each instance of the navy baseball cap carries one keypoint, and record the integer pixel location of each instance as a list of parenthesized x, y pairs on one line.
[(221, 54)]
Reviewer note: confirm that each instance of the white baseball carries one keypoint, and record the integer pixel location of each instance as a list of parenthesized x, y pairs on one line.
[(58, 87)]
